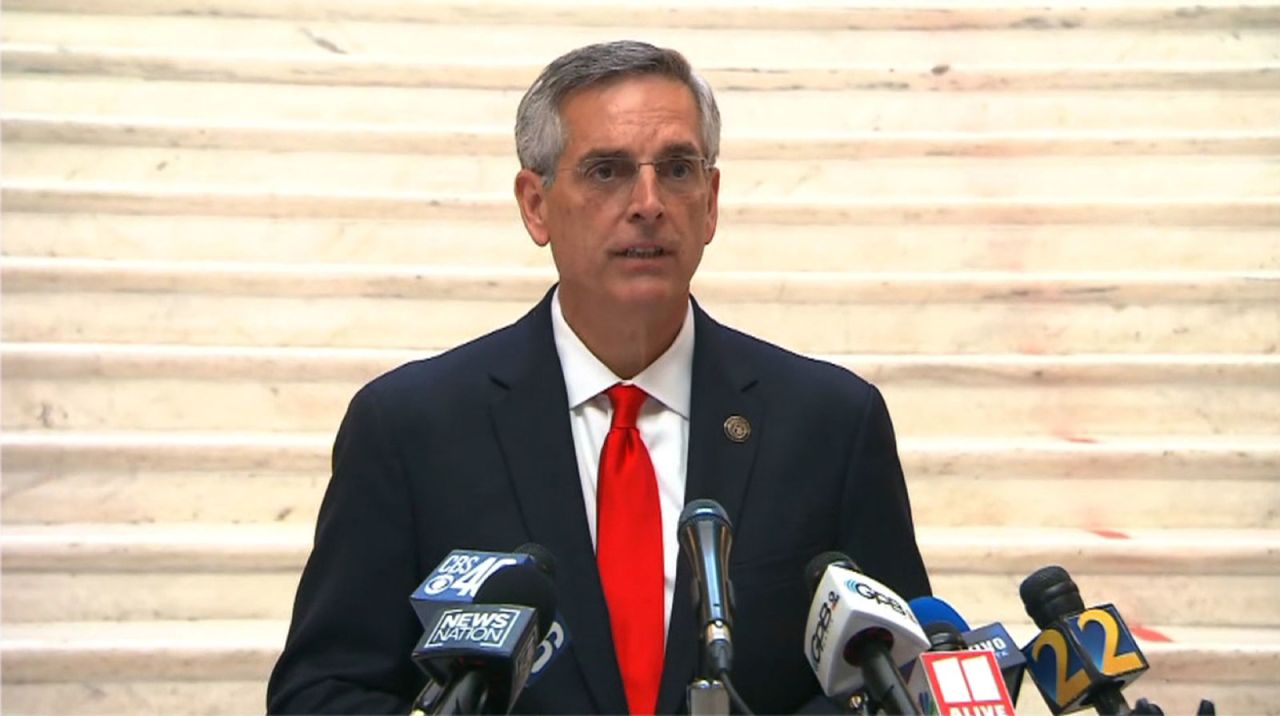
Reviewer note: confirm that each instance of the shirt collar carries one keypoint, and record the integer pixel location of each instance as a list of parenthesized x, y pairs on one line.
[(669, 379)]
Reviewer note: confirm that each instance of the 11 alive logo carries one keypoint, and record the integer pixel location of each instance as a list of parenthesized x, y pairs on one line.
[(960, 683)]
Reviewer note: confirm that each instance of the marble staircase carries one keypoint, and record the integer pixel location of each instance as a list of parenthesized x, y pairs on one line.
[(1049, 231)]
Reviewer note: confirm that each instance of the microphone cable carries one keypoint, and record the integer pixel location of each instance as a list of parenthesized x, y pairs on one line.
[(734, 696)]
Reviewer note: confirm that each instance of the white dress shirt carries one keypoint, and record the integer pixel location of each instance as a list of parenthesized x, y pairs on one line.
[(663, 424)]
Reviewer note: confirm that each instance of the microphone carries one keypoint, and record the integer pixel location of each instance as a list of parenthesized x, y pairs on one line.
[(943, 636), (1012, 663), (555, 635), (1144, 707), (481, 654), (462, 574), (992, 636), (705, 538), (527, 585), (930, 609), (959, 682), (1082, 657), (859, 634), (955, 676), (541, 556)]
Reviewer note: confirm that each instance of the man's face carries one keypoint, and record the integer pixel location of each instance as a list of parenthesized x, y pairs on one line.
[(621, 242)]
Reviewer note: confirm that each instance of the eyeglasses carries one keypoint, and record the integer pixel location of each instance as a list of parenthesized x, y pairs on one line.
[(614, 175)]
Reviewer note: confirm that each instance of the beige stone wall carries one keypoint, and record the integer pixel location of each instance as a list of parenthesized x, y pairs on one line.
[(1050, 232)]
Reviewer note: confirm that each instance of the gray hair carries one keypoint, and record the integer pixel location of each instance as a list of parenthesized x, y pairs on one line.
[(540, 136)]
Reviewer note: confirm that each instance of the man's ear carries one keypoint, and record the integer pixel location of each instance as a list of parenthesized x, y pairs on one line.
[(530, 197), (713, 205)]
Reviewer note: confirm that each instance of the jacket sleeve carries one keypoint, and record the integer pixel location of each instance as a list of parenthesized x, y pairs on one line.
[(353, 629), (876, 528)]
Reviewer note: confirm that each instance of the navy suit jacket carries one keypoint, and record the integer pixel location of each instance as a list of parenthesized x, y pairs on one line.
[(472, 449)]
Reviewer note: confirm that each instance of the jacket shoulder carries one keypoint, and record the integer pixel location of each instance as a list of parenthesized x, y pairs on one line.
[(790, 371), (455, 373)]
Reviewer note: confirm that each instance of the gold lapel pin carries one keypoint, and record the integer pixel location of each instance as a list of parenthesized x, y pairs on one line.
[(737, 428)]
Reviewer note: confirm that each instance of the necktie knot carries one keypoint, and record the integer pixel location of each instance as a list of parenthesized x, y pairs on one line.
[(626, 401)]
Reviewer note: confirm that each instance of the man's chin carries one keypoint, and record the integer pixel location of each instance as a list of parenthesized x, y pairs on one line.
[(644, 295), (635, 296)]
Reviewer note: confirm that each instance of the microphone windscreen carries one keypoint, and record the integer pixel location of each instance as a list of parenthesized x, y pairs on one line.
[(522, 584), (944, 636), (932, 609), (541, 556), (702, 509), (817, 567), (1048, 594)]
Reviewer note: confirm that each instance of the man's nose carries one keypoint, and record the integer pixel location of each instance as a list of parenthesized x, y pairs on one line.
[(646, 194)]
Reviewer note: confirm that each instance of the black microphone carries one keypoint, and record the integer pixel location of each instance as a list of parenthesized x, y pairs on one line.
[(1144, 707), (1082, 657), (480, 654), (542, 558), (526, 586), (956, 676), (992, 636), (1012, 662), (943, 636), (705, 538), (458, 579)]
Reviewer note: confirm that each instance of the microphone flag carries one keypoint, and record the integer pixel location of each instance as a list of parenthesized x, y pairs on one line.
[(960, 683)]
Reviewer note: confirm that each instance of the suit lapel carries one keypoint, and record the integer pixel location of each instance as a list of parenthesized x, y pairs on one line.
[(532, 425), (719, 468)]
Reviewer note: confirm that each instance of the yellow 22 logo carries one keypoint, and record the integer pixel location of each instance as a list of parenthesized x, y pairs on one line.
[(1068, 687), (1065, 688)]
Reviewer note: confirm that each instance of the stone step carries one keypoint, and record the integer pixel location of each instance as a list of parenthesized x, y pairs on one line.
[(472, 44), (822, 181), (144, 477), (1232, 666), (794, 111), (308, 68), (824, 15), (1203, 457), (124, 130), (214, 548), (214, 650), (199, 698), (139, 387), (214, 698), (1032, 84), (738, 246), (909, 209), (90, 572), (172, 451), (818, 312), (193, 594)]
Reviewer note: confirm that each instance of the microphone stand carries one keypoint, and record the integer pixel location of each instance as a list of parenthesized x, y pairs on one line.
[(464, 695), (710, 696), (425, 703), (884, 682)]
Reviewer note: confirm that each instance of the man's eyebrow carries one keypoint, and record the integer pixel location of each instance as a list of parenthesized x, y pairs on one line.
[(680, 149), (606, 154), (675, 149)]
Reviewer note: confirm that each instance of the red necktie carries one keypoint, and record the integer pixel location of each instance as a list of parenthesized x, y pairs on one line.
[(629, 550)]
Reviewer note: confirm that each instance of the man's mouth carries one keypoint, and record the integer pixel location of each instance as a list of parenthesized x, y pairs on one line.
[(646, 252)]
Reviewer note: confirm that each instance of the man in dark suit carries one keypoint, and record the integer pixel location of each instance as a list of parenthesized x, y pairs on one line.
[(505, 440)]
